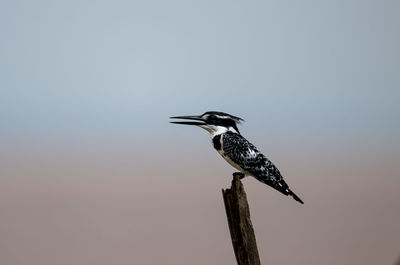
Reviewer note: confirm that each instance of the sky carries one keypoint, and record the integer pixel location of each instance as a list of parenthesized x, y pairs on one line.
[(91, 172)]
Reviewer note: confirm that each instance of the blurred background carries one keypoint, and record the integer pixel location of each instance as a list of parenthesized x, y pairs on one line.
[(91, 172)]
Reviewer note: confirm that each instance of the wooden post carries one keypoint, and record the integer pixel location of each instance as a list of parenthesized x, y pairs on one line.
[(241, 229)]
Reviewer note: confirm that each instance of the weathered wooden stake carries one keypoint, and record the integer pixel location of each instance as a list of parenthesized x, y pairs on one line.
[(242, 232)]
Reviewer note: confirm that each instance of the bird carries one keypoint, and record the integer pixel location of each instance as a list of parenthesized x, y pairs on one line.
[(237, 150)]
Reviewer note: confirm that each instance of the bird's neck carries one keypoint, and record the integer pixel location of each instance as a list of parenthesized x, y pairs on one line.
[(218, 130)]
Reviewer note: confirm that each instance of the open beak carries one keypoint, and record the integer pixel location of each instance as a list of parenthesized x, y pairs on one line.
[(196, 120)]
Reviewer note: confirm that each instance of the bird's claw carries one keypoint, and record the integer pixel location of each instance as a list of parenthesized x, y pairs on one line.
[(239, 174)]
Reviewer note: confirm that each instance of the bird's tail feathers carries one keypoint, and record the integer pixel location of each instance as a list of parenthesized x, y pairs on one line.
[(282, 187), (291, 193)]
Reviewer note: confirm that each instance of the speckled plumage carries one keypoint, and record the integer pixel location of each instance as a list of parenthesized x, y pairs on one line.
[(246, 155), (250, 161)]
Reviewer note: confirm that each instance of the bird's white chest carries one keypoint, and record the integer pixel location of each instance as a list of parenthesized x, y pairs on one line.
[(222, 153), (227, 159), (230, 161)]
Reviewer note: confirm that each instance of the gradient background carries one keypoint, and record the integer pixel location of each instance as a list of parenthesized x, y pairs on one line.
[(91, 172)]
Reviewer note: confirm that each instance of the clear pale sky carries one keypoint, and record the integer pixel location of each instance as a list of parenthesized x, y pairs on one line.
[(91, 172)]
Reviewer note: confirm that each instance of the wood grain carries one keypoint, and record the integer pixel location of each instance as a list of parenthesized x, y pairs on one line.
[(240, 227)]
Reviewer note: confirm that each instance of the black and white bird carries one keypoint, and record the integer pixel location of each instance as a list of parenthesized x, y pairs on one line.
[(237, 151)]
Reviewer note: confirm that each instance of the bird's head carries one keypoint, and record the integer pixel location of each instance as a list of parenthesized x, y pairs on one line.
[(212, 121)]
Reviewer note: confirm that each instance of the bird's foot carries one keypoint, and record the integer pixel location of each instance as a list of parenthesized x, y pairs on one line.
[(239, 174)]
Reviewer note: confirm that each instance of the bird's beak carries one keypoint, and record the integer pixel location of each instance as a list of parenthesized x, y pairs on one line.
[(196, 118)]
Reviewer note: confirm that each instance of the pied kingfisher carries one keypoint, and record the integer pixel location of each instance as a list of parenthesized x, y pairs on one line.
[(237, 151)]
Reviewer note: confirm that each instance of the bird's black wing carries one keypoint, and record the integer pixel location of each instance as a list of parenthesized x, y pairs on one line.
[(246, 155)]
